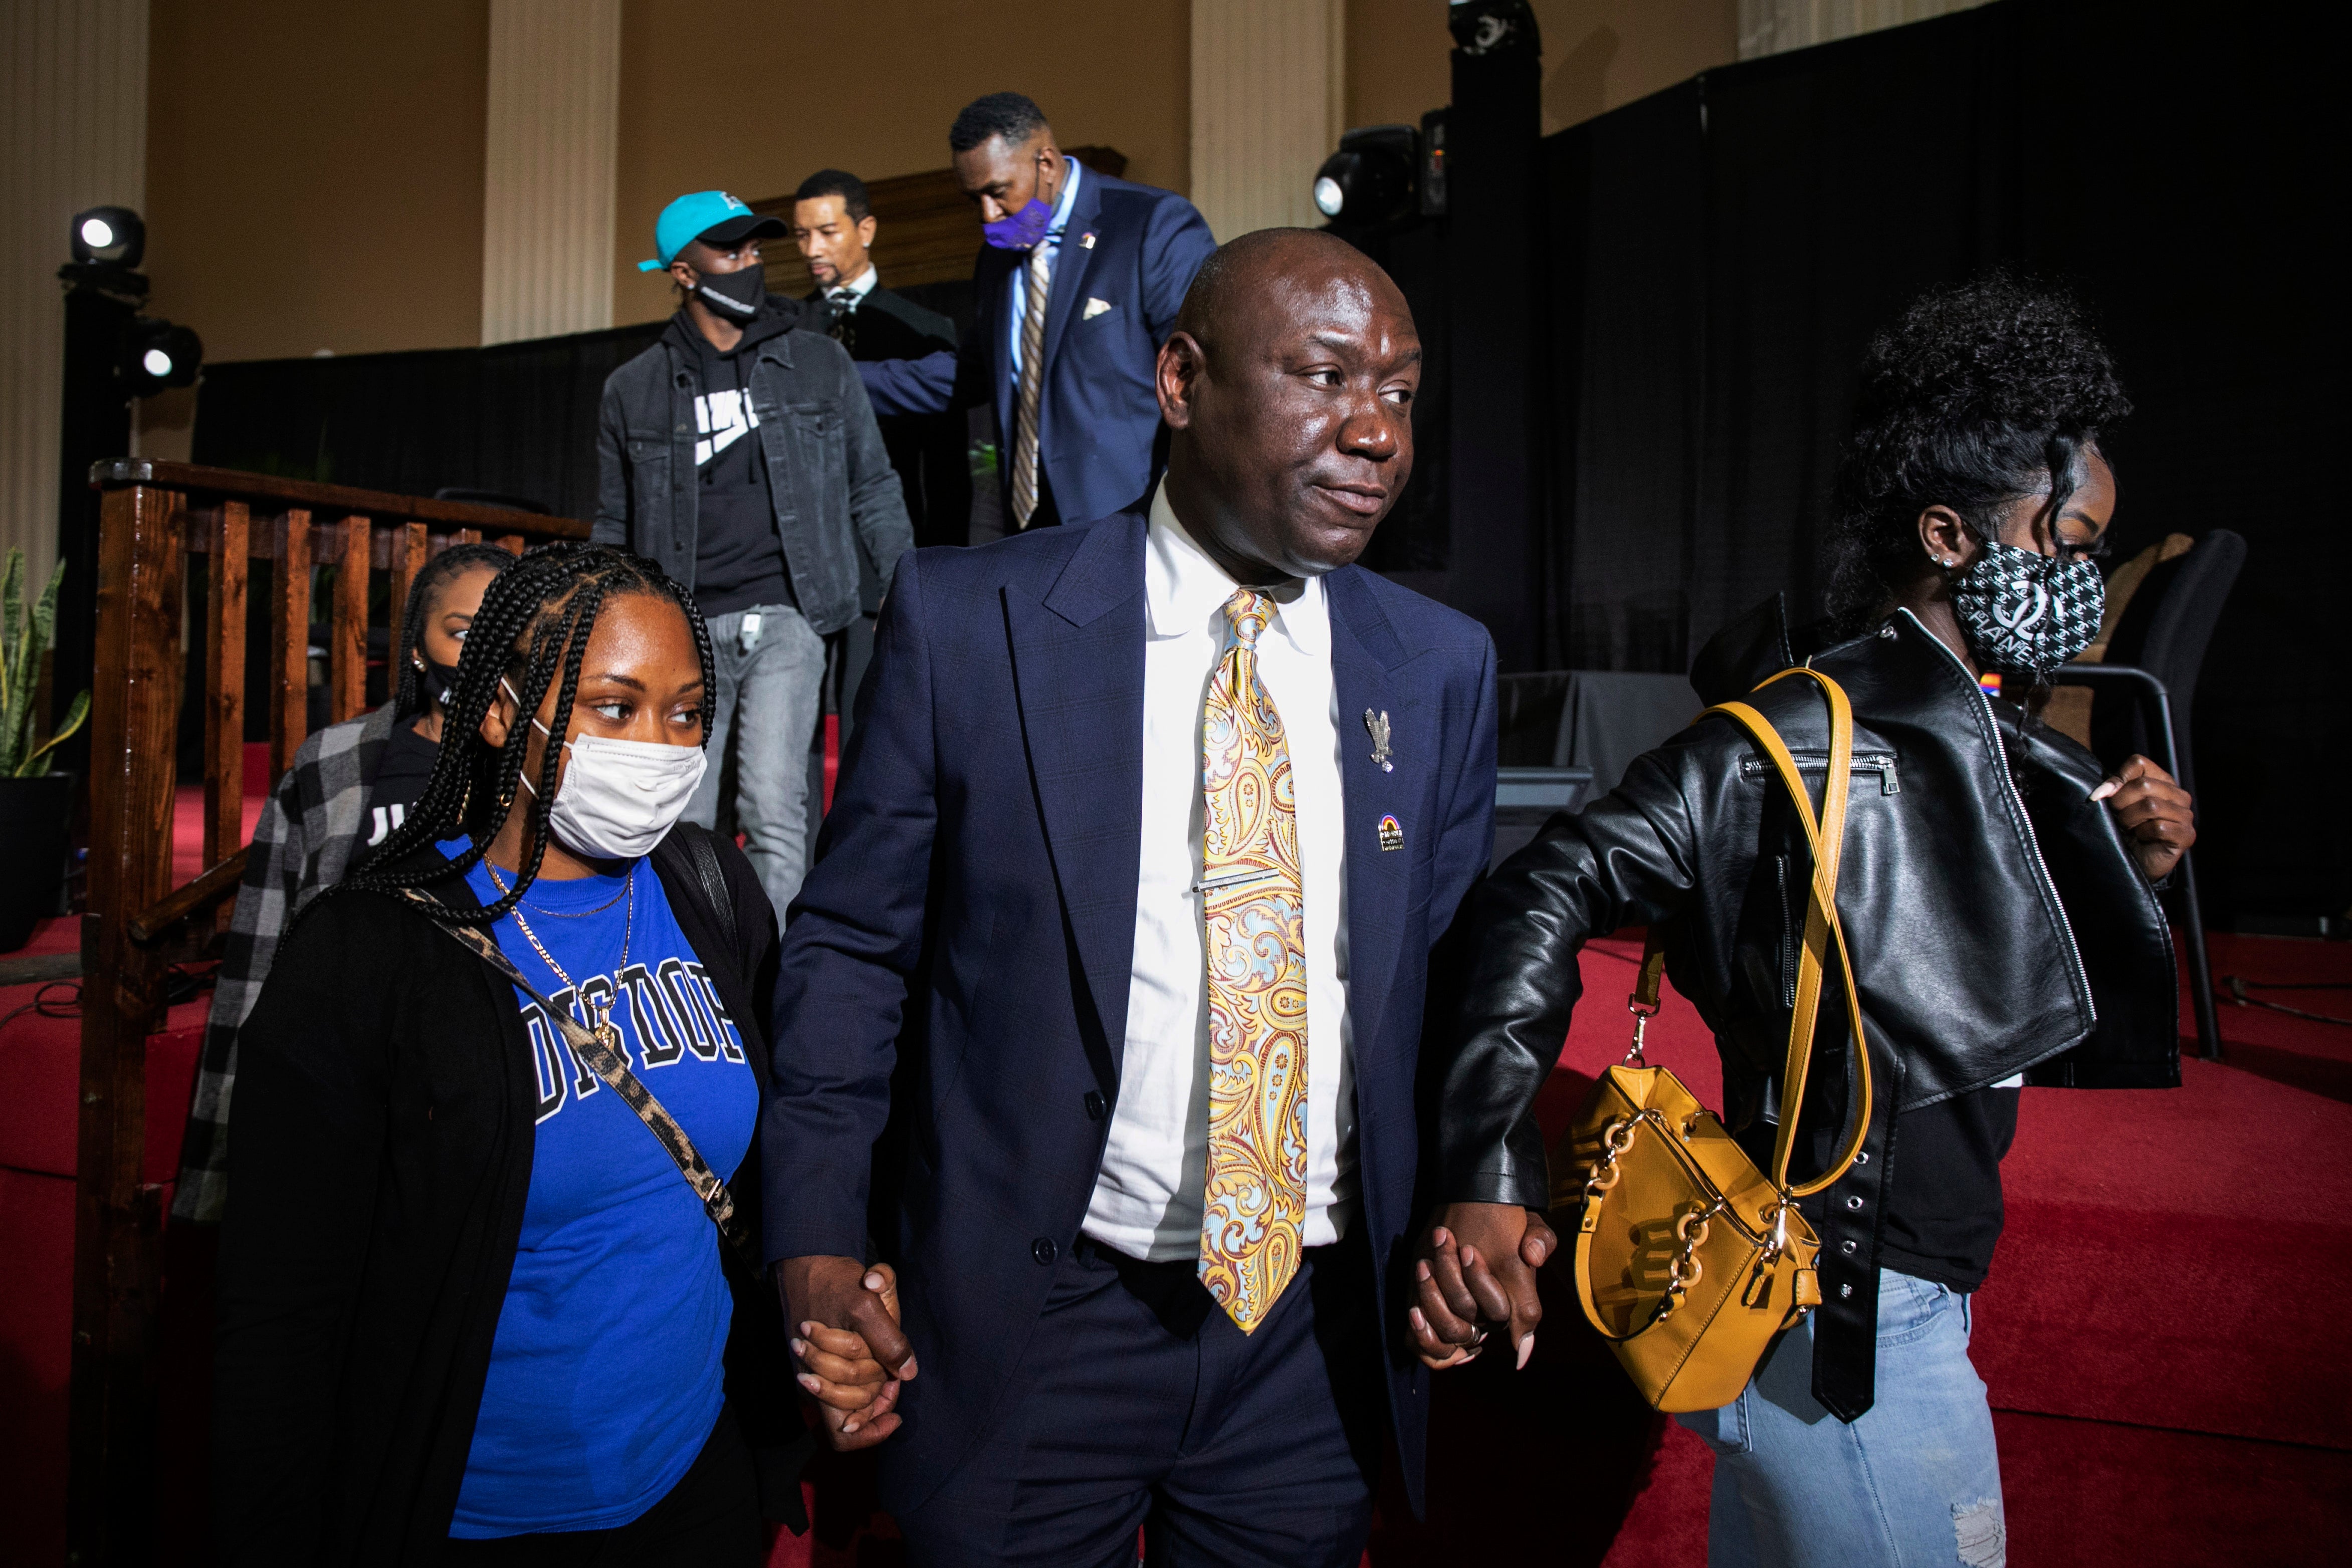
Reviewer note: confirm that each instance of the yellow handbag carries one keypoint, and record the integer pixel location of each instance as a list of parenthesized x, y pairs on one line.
[(1688, 1258)]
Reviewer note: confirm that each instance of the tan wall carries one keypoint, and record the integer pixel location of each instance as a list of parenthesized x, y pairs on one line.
[(1597, 54), (314, 179), (315, 171), (871, 88)]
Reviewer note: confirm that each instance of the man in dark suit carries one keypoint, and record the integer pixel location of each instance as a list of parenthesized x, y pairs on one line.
[(834, 225), (1123, 917), (834, 228), (1090, 270)]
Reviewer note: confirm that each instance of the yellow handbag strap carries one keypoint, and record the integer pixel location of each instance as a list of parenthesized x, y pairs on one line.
[(1827, 837)]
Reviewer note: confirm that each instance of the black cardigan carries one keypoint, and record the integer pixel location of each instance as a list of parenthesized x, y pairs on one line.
[(380, 1154)]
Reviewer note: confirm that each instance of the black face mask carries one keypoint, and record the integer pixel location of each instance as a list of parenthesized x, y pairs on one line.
[(736, 295), (436, 679)]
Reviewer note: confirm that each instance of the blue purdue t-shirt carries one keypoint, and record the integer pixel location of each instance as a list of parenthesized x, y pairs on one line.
[(605, 1376)]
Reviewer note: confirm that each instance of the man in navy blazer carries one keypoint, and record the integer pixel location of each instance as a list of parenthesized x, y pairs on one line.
[(999, 958), (1118, 257)]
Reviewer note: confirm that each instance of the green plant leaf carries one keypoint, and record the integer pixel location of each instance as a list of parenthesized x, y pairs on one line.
[(20, 665), (45, 615), (74, 715), (12, 631)]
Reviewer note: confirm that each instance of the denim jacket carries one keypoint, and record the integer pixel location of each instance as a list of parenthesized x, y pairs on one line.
[(834, 491)]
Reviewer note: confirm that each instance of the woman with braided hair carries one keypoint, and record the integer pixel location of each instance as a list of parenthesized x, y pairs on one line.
[(472, 1308), (350, 785)]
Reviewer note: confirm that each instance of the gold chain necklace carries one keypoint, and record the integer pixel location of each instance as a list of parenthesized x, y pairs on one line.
[(604, 1027)]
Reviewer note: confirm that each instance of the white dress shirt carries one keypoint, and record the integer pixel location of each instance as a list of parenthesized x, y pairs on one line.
[(1052, 245), (1147, 1199)]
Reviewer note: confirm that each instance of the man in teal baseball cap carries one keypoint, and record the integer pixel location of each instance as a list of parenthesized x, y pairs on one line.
[(740, 452), (710, 245)]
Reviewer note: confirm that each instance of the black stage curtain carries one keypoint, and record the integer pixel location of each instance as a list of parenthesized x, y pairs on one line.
[(517, 418), (1722, 252)]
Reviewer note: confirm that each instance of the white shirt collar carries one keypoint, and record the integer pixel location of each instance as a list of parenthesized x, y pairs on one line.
[(861, 286), (1185, 591)]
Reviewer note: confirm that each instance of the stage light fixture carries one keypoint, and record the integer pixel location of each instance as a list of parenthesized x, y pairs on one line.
[(161, 355), (1372, 181), (113, 236), (1485, 27)]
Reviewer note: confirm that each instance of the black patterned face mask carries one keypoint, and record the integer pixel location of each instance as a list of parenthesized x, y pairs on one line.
[(2027, 613)]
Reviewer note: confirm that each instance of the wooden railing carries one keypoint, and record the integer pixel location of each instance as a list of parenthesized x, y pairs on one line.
[(152, 518)]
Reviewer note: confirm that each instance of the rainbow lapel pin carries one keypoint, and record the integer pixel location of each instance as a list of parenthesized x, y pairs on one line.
[(1391, 835)]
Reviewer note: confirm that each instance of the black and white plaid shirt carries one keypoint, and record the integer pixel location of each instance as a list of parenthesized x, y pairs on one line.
[(313, 827)]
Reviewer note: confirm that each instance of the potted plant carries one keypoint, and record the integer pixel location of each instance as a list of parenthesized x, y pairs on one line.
[(35, 804)]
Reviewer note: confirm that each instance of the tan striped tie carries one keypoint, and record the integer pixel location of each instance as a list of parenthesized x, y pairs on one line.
[(1033, 381)]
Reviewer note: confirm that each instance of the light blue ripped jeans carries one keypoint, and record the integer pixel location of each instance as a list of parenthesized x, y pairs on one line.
[(1915, 1481), (767, 704)]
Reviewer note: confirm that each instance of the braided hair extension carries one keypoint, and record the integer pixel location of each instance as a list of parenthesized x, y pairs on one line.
[(531, 631), (408, 696)]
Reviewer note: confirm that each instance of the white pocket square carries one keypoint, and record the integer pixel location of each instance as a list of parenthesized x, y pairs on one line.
[(1095, 307)]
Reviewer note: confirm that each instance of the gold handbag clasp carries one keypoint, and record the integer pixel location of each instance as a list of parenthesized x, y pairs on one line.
[(1644, 1001)]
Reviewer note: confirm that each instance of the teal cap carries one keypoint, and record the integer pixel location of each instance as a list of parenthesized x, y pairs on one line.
[(710, 216)]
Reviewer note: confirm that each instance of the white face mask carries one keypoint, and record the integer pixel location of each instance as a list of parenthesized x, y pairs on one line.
[(619, 798)]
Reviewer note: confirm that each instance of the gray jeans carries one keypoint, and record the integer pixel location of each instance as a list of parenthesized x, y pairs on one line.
[(768, 695)]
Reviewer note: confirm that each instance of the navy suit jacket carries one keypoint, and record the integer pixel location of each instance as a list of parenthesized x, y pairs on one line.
[(970, 925), (1098, 416)]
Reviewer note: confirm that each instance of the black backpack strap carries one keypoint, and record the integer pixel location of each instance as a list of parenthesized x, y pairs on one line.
[(704, 855)]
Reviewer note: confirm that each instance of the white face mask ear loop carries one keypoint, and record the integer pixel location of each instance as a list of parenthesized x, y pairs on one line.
[(524, 777)]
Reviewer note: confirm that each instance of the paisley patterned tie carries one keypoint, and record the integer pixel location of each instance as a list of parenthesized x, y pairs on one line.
[(1255, 1205)]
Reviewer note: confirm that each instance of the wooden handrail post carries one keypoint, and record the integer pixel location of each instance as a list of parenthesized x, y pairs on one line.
[(134, 711), (409, 544), (225, 683), (289, 643), (347, 649)]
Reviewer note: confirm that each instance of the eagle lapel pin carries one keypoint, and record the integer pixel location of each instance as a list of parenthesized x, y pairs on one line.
[(1377, 724)]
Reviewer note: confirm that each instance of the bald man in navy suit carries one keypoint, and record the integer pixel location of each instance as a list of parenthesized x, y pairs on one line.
[(1122, 921)]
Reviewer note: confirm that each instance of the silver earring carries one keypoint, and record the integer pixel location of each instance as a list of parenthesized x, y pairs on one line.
[(1951, 560)]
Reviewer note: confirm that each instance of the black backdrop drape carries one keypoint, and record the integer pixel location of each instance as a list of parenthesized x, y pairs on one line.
[(1716, 256), (519, 418), (1721, 253)]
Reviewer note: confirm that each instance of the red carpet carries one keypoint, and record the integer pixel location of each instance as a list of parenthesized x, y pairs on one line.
[(2158, 1332), (2314, 1056)]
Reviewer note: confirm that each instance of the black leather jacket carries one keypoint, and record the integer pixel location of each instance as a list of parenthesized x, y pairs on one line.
[(1998, 921)]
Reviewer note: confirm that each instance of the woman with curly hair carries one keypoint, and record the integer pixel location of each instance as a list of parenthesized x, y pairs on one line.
[(1997, 894), (497, 1101)]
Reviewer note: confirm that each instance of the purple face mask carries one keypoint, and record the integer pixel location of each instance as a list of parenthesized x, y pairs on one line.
[(1021, 230)]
